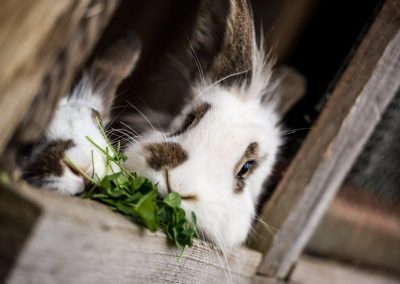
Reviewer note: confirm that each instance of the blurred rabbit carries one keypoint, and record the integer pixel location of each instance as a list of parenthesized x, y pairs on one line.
[(75, 118)]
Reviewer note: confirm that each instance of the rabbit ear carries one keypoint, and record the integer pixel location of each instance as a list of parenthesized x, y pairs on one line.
[(223, 39), (108, 70)]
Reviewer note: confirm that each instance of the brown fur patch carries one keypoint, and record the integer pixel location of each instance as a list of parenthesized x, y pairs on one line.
[(237, 48), (165, 155), (239, 185), (192, 119), (223, 40), (49, 161), (251, 154)]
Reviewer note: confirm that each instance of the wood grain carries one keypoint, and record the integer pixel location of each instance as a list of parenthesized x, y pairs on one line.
[(60, 74), (81, 241), (34, 40), (354, 108)]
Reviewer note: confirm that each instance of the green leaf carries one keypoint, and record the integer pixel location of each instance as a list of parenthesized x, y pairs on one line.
[(137, 198), (146, 209), (173, 199)]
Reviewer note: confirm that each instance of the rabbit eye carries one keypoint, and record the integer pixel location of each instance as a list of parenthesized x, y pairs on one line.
[(246, 169)]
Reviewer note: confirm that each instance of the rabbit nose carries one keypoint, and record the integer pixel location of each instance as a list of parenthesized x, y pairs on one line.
[(166, 155), (177, 187)]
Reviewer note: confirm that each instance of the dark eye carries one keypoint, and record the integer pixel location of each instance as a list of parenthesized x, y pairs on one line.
[(245, 169)]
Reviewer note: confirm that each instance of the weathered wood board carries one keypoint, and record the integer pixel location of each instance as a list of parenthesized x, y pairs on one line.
[(81, 241), (354, 108), (41, 44)]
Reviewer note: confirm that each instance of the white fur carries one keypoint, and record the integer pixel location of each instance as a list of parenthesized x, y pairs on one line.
[(73, 121), (237, 117)]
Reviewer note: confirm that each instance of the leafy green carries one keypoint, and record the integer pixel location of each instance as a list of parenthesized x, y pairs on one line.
[(137, 198)]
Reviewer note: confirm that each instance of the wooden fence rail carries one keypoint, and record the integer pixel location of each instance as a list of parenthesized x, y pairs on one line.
[(319, 168), (71, 240), (42, 43)]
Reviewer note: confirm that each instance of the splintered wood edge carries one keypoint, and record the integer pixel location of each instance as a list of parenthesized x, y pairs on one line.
[(82, 241), (353, 110)]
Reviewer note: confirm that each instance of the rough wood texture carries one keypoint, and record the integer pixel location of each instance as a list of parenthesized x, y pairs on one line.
[(80, 241), (355, 107), (353, 226), (312, 270), (34, 40)]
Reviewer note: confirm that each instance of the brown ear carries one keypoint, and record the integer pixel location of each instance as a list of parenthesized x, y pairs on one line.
[(223, 39), (108, 70)]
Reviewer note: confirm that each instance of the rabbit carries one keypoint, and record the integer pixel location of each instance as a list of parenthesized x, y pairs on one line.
[(75, 118), (220, 149)]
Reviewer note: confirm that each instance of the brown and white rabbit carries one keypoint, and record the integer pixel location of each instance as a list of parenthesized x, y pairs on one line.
[(221, 148), (75, 118)]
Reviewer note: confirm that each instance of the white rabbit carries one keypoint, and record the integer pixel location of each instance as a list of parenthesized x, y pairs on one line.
[(223, 145), (75, 118)]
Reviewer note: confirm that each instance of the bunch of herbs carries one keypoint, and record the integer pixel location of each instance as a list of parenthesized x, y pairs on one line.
[(137, 197)]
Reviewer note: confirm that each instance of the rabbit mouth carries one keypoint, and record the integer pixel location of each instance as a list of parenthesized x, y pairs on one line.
[(186, 196), (189, 197)]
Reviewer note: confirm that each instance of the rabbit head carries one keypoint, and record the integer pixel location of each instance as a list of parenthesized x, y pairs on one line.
[(221, 148), (76, 117)]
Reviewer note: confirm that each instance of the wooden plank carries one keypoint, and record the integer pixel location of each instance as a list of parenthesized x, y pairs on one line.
[(16, 223), (355, 107), (34, 38), (81, 241), (59, 76), (356, 222), (313, 270), (259, 279)]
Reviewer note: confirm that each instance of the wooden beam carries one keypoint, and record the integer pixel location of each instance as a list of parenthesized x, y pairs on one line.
[(60, 74), (82, 241), (16, 224), (354, 108), (34, 41)]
